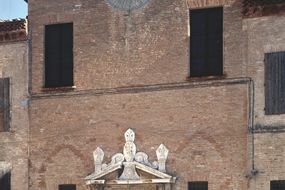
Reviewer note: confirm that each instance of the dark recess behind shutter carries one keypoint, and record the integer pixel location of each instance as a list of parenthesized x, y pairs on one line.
[(5, 181), (277, 185), (199, 185), (59, 55), (275, 83), (67, 187), (67, 55), (206, 42), (5, 103)]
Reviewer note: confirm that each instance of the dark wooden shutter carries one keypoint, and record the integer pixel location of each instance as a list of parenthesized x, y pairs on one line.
[(67, 187), (59, 55), (67, 55), (277, 185), (275, 83), (198, 185), (5, 104), (5, 181), (206, 42)]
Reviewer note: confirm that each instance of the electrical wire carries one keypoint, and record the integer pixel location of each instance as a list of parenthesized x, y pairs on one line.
[(9, 9)]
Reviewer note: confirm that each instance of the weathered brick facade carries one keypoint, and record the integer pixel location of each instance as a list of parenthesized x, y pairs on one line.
[(61, 148), (204, 126), (14, 142), (269, 139), (112, 49), (131, 70)]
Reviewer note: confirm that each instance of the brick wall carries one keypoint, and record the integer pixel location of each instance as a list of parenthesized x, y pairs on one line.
[(113, 49), (13, 144), (204, 125), (13, 31), (269, 142), (205, 130), (269, 159)]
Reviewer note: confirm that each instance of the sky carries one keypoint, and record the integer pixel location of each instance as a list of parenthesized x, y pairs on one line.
[(11, 9)]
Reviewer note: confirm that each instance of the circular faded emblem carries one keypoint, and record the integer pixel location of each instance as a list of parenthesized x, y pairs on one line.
[(127, 5)]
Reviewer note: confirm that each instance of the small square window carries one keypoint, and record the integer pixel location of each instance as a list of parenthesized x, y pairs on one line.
[(5, 181), (67, 187), (277, 185), (198, 185)]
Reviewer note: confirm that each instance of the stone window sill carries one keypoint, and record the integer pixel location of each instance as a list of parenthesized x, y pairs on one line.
[(205, 78), (58, 89)]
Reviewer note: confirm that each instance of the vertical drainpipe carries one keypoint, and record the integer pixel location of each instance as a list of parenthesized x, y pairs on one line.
[(251, 93), (251, 121)]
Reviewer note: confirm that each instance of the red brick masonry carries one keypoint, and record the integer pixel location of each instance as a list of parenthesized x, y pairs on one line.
[(14, 30)]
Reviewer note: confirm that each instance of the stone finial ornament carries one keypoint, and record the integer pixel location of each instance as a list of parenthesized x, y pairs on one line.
[(130, 147), (131, 161), (98, 156), (162, 154), (130, 135)]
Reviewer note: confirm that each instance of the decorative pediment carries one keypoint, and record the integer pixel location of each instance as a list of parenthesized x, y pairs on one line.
[(131, 165)]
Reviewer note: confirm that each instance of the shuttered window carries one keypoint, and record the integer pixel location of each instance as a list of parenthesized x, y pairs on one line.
[(67, 187), (206, 42), (277, 185), (275, 83), (198, 185), (5, 181), (59, 55), (4, 104)]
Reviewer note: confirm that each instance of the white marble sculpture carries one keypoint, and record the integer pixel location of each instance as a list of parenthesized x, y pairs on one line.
[(130, 147), (98, 155), (130, 161), (129, 172), (162, 153)]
